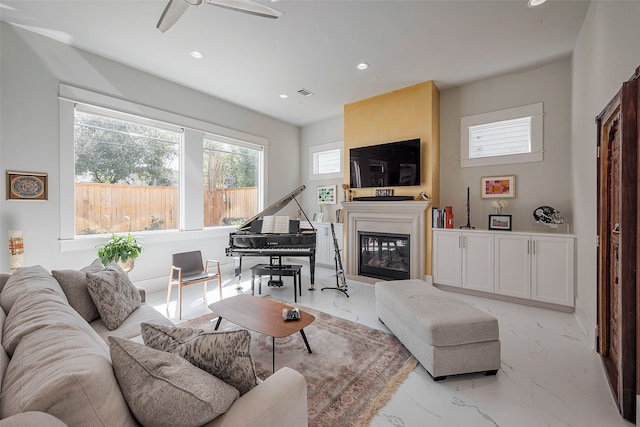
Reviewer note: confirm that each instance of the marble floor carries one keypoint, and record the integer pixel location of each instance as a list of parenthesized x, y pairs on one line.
[(550, 376)]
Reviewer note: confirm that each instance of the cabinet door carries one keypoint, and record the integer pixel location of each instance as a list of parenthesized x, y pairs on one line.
[(512, 265), (552, 276), (323, 237), (477, 261), (446, 257)]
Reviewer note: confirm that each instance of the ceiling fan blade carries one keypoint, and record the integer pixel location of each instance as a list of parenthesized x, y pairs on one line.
[(248, 6), (174, 10)]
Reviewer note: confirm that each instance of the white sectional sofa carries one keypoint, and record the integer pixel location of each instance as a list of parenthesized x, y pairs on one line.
[(56, 368)]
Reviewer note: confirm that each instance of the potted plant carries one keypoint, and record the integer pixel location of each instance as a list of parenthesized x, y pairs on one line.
[(120, 248)]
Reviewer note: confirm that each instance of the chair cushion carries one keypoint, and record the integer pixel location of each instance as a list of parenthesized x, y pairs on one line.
[(74, 285), (130, 327), (437, 316), (222, 354), (37, 310), (190, 263), (163, 389), (60, 370), (24, 280), (113, 294)]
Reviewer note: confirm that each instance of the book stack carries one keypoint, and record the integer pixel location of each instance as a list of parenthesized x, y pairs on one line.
[(339, 216), (442, 218)]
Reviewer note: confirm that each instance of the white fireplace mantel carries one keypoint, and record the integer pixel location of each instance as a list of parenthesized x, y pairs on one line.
[(402, 217)]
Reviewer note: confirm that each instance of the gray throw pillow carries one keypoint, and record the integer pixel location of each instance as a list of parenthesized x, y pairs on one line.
[(113, 294), (74, 285), (222, 354), (163, 389)]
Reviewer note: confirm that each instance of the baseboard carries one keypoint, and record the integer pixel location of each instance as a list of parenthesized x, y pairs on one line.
[(586, 323)]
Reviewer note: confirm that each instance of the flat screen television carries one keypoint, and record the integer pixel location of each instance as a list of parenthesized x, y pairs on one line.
[(393, 164)]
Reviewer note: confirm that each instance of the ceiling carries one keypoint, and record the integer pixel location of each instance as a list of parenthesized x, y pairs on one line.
[(315, 45)]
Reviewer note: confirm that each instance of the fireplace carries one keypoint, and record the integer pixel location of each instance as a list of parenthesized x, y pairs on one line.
[(386, 220), (384, 255)]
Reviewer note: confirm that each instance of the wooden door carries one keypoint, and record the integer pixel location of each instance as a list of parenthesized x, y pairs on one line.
[(617, 232)]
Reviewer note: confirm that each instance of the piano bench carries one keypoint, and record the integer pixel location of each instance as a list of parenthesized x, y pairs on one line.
[(293, 270)]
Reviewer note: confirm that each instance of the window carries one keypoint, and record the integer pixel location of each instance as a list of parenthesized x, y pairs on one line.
[(231, 181), (326, 161), (502, 137), (126, 172), (162, 154)]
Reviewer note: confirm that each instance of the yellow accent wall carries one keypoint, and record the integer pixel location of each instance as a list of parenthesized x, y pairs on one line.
[(408, 113)]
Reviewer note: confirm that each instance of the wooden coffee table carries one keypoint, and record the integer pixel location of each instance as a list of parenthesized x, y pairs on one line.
[(261, 315)]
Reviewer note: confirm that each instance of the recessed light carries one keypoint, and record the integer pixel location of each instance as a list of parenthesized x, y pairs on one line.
[(284, 96), (363, 66), (534, 3), (196, 54)]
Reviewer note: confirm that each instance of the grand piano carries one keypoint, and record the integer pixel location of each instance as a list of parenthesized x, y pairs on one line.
[(249, 240)]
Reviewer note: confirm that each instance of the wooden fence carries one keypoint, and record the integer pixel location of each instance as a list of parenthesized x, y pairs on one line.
[(102, 208)]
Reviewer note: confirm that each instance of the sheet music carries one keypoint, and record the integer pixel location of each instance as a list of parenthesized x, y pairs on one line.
[(275, 224)]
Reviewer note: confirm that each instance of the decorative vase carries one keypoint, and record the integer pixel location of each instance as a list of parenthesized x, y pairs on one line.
[(127, 265)]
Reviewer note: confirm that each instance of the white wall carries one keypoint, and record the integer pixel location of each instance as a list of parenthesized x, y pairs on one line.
[(606, 54), (537, 183), (324, 132), (32, 67)]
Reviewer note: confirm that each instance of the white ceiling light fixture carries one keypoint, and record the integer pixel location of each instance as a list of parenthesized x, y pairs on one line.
[(284, 96), (363, 66), (196, 54), (534, 3)]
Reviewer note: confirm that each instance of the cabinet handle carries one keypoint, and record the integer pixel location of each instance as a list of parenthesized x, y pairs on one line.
[(534, 247), (528, 247)]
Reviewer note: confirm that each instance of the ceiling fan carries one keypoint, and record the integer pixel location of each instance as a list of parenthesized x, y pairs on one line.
[(175, 9)]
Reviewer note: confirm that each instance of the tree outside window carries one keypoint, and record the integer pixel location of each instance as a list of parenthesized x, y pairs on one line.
[(231, 180), (127, 174)]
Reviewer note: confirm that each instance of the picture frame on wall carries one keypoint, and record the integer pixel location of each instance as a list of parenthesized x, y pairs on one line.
[(500, 222), (27, 185), (498, 187), (327, 195)]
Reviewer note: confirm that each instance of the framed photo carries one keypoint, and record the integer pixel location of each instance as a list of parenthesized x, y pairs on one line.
[(500, 222), (327, 195), (498, 187), (317, 217), (27, 186)]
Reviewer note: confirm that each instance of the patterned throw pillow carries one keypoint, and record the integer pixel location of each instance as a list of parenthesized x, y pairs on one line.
[(222, 354), (163, 389), (113, 294), (74, 285)]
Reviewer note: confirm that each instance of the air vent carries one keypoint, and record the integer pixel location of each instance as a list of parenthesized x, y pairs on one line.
[(305, 92)]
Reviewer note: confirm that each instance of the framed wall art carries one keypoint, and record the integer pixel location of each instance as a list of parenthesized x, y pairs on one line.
[(27, 186), (500, 222), (498, 187), (327, 195)]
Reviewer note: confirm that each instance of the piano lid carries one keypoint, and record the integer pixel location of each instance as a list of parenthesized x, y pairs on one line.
[(276, 207)]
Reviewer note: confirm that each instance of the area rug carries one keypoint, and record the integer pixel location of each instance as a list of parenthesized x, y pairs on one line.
[(351, 374)]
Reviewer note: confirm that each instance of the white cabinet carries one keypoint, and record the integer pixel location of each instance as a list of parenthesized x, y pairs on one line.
[(512, 265), (447, 258), (552, 273), (324, 242), (526, 266), (462, 259)]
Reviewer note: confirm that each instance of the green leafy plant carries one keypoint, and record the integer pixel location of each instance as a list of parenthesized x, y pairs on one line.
[(120, 247)]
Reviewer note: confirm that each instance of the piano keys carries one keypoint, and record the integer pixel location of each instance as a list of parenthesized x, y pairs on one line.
[(249, 240)]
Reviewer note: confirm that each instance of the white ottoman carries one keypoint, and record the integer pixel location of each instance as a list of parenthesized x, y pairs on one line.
[(446, 335)]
